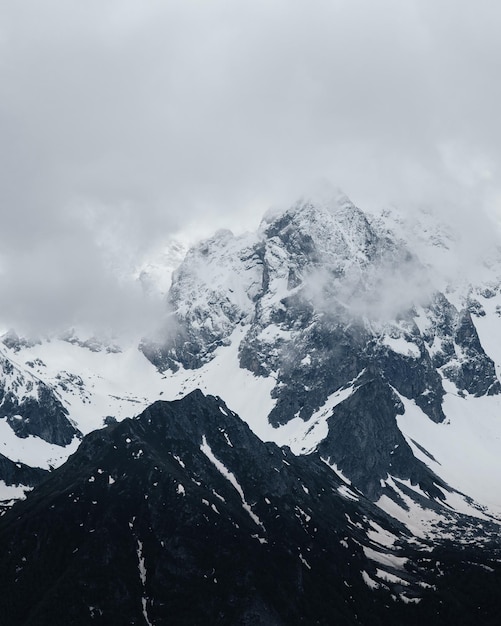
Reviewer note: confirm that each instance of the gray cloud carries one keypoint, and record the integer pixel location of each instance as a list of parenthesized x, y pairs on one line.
[(124, 122)]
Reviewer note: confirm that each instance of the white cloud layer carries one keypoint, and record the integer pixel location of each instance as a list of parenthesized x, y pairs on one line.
[(123, 122)]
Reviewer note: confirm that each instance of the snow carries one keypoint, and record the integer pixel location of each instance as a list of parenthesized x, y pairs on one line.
[(304, 561), (336, 469), (390, 578), (248, 395), (156, 273), (372, 584), (217, 282), (402, 346), (406, 600), (33, 451), (206, 449), (142, 576), (466, 447), (385, 558), (303, 437), (347, 493), (379, 535), (425, 523), (304, 515), (181, 463), (418, 520), (489, 329), (12, 492), (120, 384)]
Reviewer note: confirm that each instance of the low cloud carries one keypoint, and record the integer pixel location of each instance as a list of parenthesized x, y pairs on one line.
[(124, 123), (378, 292)]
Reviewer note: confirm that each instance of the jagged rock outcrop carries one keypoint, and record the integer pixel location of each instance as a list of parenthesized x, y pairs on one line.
[(366, 444), (319, 295), (31, 407)]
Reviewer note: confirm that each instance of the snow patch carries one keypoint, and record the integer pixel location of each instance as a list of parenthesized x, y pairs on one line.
[(402, 346), (206, 449), (32, 450)]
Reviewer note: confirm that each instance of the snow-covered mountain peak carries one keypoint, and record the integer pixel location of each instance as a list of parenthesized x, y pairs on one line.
[(322, 196), (308, 251), (327, 312), (222, 271), (328, 334), (303, 328), (323, 254), (336, 227)]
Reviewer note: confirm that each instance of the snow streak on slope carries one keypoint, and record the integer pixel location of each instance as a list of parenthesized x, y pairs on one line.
[(206, 449), (304, 437)]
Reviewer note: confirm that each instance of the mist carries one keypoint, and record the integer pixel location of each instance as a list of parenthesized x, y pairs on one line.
[(126, 123)]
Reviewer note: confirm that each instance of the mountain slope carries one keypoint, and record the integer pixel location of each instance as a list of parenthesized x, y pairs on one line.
[(184, 516), (322, 297), (326, 332)]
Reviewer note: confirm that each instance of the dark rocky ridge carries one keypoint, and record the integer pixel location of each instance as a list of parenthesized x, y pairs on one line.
[(14, 474), (365, 443), (111, 538)]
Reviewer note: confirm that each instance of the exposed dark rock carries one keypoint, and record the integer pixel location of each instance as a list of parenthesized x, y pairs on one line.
[(476, 373), (16, 473), (41, 415), (183, 516), (366, 444), (414, 377), (459, 352)]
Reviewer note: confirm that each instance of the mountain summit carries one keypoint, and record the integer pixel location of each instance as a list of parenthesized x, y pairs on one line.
[(341, 329)]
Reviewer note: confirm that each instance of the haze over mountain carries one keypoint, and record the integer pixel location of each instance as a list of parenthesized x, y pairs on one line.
[(326, 333), (126, 123)]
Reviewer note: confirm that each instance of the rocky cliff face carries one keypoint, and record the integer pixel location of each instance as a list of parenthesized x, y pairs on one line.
[(31, 407), (321, 296)]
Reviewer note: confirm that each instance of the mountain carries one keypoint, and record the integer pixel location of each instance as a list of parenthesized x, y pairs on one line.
[(338, 338), (184, 516), (348, 339), (53, 391)]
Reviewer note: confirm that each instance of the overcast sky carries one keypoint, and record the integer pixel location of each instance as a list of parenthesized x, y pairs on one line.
[(123, 122)]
